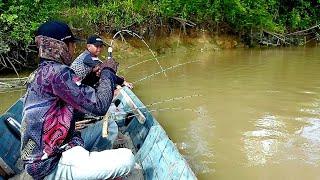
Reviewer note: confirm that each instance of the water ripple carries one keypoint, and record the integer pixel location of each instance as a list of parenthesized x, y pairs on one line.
[(261, 144), (306, 141), (198, 148)]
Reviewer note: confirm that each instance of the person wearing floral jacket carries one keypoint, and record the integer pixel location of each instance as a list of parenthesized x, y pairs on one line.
[(51, 148)]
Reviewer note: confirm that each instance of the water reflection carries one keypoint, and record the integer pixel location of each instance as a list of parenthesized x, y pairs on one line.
[(261, 144), (313, 108), (309, 140), (199, 152), (308, 136), (271, 143)]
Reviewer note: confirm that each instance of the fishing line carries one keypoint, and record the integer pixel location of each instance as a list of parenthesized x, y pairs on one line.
[(173, 99), (131, 66), (160, 102), (172, 67), (141, 38), (162, 109)]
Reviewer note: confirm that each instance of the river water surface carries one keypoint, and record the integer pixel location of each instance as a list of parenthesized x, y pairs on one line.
[(258, 116)]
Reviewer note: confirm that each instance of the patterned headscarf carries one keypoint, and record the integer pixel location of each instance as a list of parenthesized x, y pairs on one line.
[(53, 49)]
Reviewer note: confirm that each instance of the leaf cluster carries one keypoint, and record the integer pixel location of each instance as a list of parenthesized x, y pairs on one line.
[(20, 18)]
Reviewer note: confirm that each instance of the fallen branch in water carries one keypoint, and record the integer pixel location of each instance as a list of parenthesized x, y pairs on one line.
[(296, 38), (14, 79), (300, 32), (8, 83)]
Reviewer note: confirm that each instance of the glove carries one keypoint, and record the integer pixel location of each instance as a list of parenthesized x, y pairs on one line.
[(110, 64)]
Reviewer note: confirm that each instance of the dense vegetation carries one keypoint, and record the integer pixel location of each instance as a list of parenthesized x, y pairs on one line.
[(19, 19)]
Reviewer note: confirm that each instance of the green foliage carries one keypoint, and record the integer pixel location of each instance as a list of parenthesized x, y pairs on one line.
[(111, 15), (18, 21), (251, 14), (20, 18), (298, 14)]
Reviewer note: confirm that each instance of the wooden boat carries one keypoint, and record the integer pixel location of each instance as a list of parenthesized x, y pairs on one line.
[(154, 151)]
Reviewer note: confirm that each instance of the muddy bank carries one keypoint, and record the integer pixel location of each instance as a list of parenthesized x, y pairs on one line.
[(159, 42)]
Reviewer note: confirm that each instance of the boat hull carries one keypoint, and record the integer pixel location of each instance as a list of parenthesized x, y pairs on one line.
[(154, 151), (10, 141)]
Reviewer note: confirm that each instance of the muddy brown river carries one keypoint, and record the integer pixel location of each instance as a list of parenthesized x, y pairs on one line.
[(234, 114)]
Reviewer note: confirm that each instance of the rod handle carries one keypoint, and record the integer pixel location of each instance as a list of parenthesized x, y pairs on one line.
[(109, 52)]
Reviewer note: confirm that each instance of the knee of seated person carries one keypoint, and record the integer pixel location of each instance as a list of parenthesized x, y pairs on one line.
[(127, 157)]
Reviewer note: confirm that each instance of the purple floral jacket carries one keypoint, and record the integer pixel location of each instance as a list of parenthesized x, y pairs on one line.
[(48, 126)]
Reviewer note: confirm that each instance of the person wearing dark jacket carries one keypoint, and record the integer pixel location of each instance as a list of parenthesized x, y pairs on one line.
[(51, 147), (87, 63)]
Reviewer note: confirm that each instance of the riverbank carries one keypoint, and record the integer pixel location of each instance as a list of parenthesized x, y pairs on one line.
[(126, 46), (159, 42)]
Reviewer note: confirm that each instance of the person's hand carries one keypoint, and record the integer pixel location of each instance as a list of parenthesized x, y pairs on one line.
[(111, 64), (97, 70), (128, 84)]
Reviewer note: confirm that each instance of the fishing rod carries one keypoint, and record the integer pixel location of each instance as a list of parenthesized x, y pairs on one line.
[(133, 34), (105, 118), (92, 119), (163, 109), (84, 123)]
